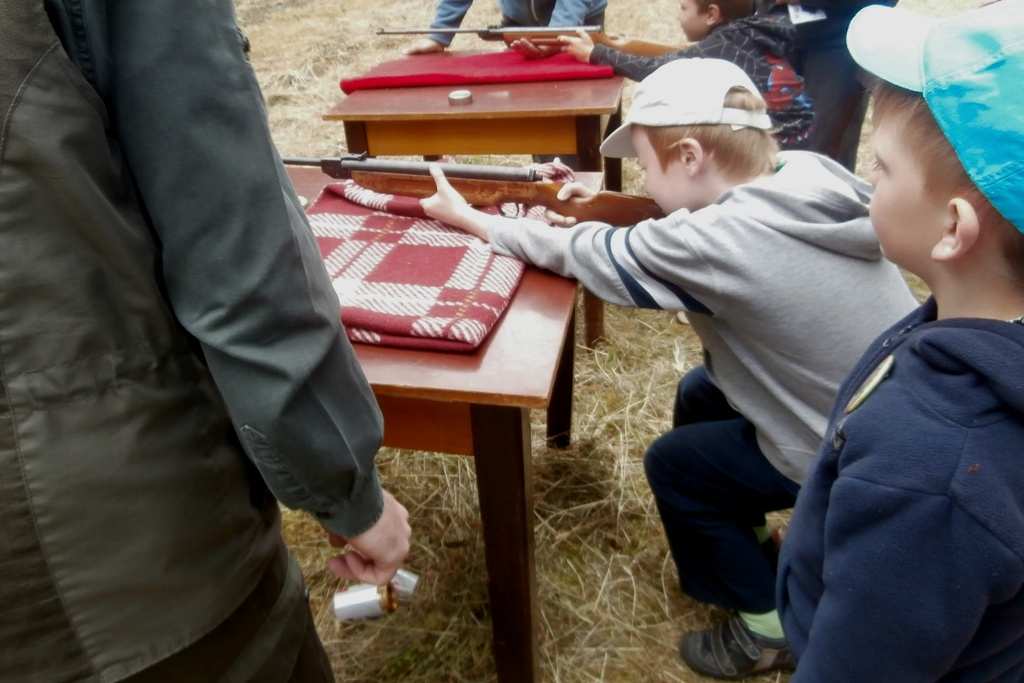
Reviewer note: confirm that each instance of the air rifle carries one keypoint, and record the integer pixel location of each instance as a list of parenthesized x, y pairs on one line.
[(538, 35), (484, 186), (547, 35)]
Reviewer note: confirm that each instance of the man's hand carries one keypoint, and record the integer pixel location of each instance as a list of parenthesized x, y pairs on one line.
[(424, 46), (531, 50), (448, 206), (579, 46), (574, 192), (377, 553)]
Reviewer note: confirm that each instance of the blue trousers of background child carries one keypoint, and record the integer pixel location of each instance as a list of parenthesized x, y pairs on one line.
[(713, 486)]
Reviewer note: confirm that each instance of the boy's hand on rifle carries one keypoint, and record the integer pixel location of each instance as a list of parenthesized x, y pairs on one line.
[(579, 46), (424, 46), (376, 554), (448, 206), (531, 50), (570, 192)]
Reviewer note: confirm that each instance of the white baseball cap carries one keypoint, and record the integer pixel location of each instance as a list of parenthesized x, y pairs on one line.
[(686, 92)]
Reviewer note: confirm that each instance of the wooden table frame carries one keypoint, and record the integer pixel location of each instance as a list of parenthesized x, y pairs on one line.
[(550, 117), (479, 404)]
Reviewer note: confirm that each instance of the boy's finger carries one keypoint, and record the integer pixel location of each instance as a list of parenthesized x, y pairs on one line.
[(558, 219), (439, 179), (567, 191)]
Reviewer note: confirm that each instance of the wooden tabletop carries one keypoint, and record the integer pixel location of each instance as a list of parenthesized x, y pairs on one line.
[(588, 97), (515, 365)]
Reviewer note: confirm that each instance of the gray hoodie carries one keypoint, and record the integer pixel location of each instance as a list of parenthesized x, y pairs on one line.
[(782, 277)]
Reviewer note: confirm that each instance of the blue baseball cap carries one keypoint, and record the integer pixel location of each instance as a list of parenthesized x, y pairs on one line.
[(970, 70)]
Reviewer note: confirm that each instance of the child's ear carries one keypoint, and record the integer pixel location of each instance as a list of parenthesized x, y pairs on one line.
[(692, 155), (713, 15), (960, 231)]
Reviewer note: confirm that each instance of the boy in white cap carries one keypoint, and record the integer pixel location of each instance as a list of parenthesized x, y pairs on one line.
[(904, 560), (773, 258)]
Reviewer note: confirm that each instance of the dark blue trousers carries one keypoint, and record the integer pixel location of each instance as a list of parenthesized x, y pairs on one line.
[(713, 486)]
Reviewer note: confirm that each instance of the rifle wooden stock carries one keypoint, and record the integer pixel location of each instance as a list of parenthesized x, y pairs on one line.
[(614, 208), (640, 48), (548, 36)]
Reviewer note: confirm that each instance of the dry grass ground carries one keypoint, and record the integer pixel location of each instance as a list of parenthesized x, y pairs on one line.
[(610, 608)]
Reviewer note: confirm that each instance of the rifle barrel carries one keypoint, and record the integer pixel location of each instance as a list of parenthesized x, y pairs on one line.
[(491, 29), (467, 171), (548, 29), (300, 161), (418, 31)]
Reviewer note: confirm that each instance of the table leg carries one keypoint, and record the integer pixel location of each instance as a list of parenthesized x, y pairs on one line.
[(355, 137), (501, 446), (560, 406), (588, 142), (613, 167), (593, 319), (588, 145)]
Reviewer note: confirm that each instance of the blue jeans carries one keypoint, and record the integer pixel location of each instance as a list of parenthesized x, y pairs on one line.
[(713, 485)]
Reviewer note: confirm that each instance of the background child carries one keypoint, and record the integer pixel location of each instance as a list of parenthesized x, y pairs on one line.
[(760, 44), (775, 260), (831, 78), (905, 557)]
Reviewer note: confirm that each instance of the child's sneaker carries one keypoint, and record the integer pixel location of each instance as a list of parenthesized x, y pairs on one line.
[(731, 651)]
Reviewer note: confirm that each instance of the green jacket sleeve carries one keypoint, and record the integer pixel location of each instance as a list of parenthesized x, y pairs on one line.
[(239, 264)]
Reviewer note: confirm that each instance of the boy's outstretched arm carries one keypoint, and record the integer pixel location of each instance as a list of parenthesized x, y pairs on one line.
[(448, 206), (648, 265), (908, 576)]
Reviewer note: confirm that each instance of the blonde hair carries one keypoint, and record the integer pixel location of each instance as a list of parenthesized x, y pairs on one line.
[(739, 154), (730, 10), (944, 175)]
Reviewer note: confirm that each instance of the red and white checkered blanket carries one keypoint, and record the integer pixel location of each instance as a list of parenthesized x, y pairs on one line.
[(407, 280)]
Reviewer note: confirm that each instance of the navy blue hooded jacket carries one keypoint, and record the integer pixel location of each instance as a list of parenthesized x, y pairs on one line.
[(904, 560)]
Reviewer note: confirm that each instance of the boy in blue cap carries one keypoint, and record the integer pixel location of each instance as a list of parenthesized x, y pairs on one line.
[(905, 556)]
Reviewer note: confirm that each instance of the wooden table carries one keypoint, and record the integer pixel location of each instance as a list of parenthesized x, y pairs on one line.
[(479, 404), (550, 117)]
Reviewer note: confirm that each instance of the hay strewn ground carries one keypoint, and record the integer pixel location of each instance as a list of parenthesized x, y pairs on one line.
[(610, 606)]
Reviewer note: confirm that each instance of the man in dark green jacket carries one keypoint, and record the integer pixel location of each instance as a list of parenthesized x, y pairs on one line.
[(170, 347)]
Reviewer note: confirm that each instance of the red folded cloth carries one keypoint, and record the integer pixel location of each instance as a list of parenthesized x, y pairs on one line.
[(407, 280), (492, 67)]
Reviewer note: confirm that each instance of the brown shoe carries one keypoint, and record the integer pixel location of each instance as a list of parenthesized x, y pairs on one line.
[(731, 651)]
